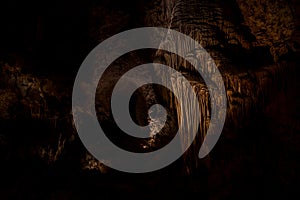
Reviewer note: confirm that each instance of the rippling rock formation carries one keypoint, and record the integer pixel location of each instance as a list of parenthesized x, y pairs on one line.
[(238, 38), (253, 43)]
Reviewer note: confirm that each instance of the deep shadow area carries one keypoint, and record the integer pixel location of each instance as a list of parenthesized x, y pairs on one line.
[(42, 45)]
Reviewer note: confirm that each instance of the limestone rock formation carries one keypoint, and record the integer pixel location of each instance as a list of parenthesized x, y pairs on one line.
[(247, 40), (271, 22), (252, 24)]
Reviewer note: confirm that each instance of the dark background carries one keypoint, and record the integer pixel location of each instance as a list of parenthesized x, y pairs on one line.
[(48, 40)]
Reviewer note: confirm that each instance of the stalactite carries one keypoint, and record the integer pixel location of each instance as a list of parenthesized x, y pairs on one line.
[(247, 90)]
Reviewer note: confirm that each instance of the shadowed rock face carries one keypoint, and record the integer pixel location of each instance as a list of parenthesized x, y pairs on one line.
[(253, 43), (245, 40), (272, 26)]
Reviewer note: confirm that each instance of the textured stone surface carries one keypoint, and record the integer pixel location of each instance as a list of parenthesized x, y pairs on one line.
[(249, 88), (253, 43), (271, 22)]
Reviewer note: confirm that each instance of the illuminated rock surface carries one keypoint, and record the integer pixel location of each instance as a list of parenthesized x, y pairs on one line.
[(255, 45)]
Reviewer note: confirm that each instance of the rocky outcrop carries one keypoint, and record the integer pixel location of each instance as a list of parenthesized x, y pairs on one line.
[(271, 22), (230, 34), (248, 41)]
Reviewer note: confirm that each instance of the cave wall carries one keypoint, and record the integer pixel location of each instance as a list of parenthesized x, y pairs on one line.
[(246, 41), (254, 49)]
